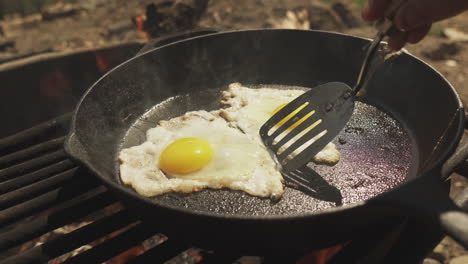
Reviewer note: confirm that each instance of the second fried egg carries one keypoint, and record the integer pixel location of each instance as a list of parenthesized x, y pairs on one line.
[(250, 108)]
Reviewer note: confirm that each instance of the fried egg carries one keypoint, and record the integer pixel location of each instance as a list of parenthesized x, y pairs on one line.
[(199, 150), (250, 108)]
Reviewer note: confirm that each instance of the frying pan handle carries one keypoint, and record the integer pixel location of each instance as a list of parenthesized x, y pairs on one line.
[(426, 199), (458, 162), (455, 222), (167, 39)]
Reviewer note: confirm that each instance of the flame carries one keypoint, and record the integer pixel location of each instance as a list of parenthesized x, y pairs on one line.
[(321, 256), (127, 255), (102, 62), (106, 60), (140, 23)]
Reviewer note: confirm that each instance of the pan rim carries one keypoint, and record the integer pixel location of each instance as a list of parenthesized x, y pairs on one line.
[(116, 187)]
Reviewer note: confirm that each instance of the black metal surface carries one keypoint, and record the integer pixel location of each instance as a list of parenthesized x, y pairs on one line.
[(33, 164), (36, 203), (46, 200), (37, 133), (73, 240), (333, 105), (32, 190), (30, 152), (75, 209), (160, 253), (61, 211), (384, 146), (112, 247), (35, 176), (208, 64)]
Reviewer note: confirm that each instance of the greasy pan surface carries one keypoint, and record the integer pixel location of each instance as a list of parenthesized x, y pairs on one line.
[(376, 156), (379, 153)]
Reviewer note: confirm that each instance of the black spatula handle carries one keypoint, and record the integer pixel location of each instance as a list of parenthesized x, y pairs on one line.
[(385, 25)]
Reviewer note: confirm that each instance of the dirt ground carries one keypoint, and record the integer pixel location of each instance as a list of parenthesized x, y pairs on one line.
[(96, 21)]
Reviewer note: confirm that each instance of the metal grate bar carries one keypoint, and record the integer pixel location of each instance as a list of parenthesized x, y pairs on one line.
[(35, 176), (22, 194), (75, 210), (30, 152), (18, 140), (72, 240), (41, 202), (36, 163), (160, 253), (115, 245)]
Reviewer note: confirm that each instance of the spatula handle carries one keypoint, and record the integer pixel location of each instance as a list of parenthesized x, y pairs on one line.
[(392, 8), (385, 26), (386, 23)]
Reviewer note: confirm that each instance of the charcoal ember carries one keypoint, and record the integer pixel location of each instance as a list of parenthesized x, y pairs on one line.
[(190, 256), (173, 16), (70, 254)]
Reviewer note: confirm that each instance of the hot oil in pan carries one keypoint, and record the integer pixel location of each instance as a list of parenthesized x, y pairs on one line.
[(376, 155)]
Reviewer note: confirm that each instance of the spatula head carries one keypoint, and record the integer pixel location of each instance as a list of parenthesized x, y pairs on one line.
[(302, 128)]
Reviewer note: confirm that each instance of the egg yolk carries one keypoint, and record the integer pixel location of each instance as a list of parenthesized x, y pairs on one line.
[(293, 113), (185, 155)]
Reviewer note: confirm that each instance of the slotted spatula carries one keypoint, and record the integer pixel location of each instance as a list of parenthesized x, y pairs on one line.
[(302, 128)]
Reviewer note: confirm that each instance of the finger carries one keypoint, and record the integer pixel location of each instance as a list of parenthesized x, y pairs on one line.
[(374, 9), (397, 40), (416, 13), (418, 34)]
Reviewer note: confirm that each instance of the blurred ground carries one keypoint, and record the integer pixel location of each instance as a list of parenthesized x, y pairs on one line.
[(95, 23)]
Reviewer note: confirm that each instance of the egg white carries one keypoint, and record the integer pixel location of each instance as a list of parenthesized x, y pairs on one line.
[(239, 162), (250, 108)]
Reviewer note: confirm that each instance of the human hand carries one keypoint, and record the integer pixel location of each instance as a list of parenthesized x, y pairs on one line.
[(414, 18)]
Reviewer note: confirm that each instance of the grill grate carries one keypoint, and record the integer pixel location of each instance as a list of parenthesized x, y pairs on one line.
[(52, 210), (43, 193)]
